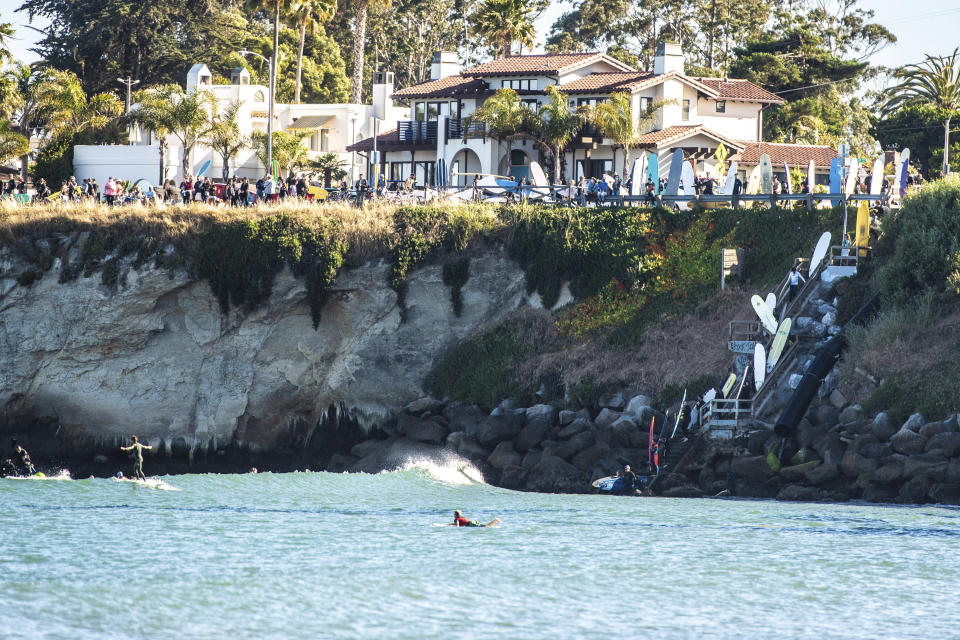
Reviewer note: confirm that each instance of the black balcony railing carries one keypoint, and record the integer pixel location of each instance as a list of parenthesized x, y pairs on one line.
[(590, 131), (460, 128), (417, 132)]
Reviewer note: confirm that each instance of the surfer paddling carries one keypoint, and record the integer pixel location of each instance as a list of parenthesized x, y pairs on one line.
[(460, 521), (136, 446)]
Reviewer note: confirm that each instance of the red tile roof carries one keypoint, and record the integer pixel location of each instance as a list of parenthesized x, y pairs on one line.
[(367, 143), (795, 155), (443, 88), (729, 89), (665, 137), (542, 63), (605, 82)]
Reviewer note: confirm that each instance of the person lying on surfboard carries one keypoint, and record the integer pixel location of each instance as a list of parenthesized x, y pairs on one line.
[(460, 521)]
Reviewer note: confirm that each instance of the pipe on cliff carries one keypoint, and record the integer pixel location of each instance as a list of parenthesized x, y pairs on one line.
[(823, 362)]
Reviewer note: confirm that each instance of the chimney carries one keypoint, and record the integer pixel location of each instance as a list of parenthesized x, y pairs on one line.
[(445, 64), (669, 58), (382, 90)]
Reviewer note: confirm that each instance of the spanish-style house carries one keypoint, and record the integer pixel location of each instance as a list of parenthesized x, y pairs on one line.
[(699, 115)]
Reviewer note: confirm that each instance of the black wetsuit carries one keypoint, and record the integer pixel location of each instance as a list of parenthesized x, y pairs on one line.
[(7, 468), (629, 481), (25, 466)]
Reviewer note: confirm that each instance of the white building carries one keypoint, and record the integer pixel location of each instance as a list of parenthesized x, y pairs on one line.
[(701, 114), (335, 127)]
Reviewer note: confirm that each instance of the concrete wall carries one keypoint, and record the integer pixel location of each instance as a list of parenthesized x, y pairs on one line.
[(131, 163)]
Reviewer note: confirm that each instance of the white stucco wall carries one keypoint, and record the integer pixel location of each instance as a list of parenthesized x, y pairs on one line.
[(133, 163)]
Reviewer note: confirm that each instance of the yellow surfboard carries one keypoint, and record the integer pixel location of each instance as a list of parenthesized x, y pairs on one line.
[(863, 228), (319, 193), (779, 342), (728, 385)]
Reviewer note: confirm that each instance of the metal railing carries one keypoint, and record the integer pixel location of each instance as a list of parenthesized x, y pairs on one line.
[(459, 128), (417, 132), (727, 412)]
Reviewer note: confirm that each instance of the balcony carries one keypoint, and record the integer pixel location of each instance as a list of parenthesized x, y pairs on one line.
[(459, 128), (416, 132)]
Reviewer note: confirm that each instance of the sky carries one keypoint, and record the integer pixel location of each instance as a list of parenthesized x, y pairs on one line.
[(921, 26)]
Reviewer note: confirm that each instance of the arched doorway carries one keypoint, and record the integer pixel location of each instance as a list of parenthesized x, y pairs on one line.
[(464, 165), (516, 165)]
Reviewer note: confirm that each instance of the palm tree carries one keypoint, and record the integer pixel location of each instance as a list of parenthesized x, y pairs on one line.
[(616, 121), (30, 97), (73, 113), (936, 83), (556, 124), (169, 110), (288, 149), (225, 138), (331, 166), (12, 144), (504, 115), (361, 9), (307, 15), (502, 22), (6, 33)]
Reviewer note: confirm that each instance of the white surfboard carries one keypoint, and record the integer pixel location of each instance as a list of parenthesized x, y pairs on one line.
[(786, 172), (687, 178), (763, 312), (731, 179), (876, 178), (766, 174), (709, 395), (771, 301), (676, 168), (811, 176), (753, 182), (900, 186), (636, 175), (759, 365), (853, 172), (819, 252), (537, 177)]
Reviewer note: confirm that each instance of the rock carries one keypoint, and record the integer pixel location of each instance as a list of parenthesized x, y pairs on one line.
[(798, 493), (850, 414), (753, 469), (858, 442), (541, 413), (822, 474), (914, 491), (908, 442), (853, 464), (531, 459), (873, 493), (394, 452), (876, 450), (829, 319), (797, 472), (554, 475), (567, 449), (794, 380), (835, 331), (422, 405), (507, 406), (949, 443), (802, 323), (683, 491), (566, 416), (890, 471), (467, 447), (953, 470), (860, 427), (882, 428), (493, 429), (636, 406), (626, 433), (823, 308), (757, 441), (913, 423), (943, 493), (828, 415), (531, 436), (806, 433), (363, 449), (829, 447), (817, 330), (339, 463), (512, 477), (607, 417), (590, 456), (461, 416), (421, 430), (575, 427), (504, 456), (615, 401), (929, 465), (581, 441), (933, 428)]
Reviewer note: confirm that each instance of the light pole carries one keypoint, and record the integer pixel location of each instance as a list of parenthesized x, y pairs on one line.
[(129, 82), (844, 153), (269, 62)]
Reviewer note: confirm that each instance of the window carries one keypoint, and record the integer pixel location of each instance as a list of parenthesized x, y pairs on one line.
[(324, 140), (315, 142), (721, 106), (259, 97), (433, 110), (686, 110), (532, 103), (519, 85), (644, 105), (418, 110)]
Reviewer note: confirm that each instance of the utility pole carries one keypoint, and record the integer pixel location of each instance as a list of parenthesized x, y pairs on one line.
[(129, 82)]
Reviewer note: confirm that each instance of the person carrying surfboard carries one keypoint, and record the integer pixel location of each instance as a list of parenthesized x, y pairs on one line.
[(795, 280), (138, 448), (460, 521)]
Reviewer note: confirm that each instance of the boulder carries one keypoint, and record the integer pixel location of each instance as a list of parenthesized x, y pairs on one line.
[(575, 427), (907, 441), (682, 491), (462, 416), (875, 450), (890, 471), (838, 400), (581, 441), (627, 434), (859, 427), (949, 443), (799, 493), (797, 472), (753, 469), (933, 428), (930, 465), (822, 474), (558, 448), (467, 447), (806, 433), (554, 475), (422, 405), (512, 477), (636, 406), (874, 493), (757, 441), (943, 493), (882, 428), (850, 414), (827, 415), (566, 416), (607, 417), (531, 435), (421, 430), (616, 401), (853, 464), (829, 319), (339, 463), (394, 452), (802, 323), (504, 456), (541, 413), (913, 423), (590, 456), (531, 459), (914, 491), (829, 447), (858, 442), (505, 407), (494, 429), (365, 448)]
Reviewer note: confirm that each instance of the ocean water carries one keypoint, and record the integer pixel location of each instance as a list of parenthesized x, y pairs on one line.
[(318, 555)]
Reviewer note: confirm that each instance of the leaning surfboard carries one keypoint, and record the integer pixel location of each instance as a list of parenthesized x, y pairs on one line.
[(779, 342), (728, 385), (759, 365), (753, 183), (537, 176), (819, 253), (903, 171), (687, 180), (636, 176), (836, 180), (853, 174), (766, 175), (653, 172), (789, 180), (811, 176), (731, 179), (763, 312), (676, 169), (876, 177), (771, 301), (863, 227)]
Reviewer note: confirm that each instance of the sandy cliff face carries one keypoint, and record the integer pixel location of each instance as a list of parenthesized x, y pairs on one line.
[(155, 355)]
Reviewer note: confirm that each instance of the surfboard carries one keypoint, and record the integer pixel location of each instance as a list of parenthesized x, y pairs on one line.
[(709, 396), (903, 171), (743, 381), (759, 365), (687, 179), (537, 177), (863, 226), (771, 301), (653, 172), (779, 342), (766, 174), (836, 179), (728, 385), (763, 312), (786, 172), (731, 179), (853, 172), (203, 169), (676, 169), (819, 253), (677, 423), (610, 483), (811, 176), (876, 177), (636, 176), (753, 182)]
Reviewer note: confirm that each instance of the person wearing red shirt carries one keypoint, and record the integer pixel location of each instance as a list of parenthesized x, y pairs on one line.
[(460, 521)]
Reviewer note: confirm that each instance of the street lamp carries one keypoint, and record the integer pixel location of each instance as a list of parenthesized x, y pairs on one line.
[(245, 52), (129, 82)]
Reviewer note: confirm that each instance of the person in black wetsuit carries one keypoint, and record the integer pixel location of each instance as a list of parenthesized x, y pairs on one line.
[(7, 468), (629, 481), (22, 459)]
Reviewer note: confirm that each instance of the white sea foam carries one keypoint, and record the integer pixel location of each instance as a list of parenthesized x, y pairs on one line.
[(450, 469)]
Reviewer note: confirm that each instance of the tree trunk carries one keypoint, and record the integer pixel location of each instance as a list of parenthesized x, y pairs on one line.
[(626, 161), (163, 161), (946, 147), (557, 176), (186, 161), (359, 35), (303, 37), (505, 47), (25, 165), (226, 168)]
